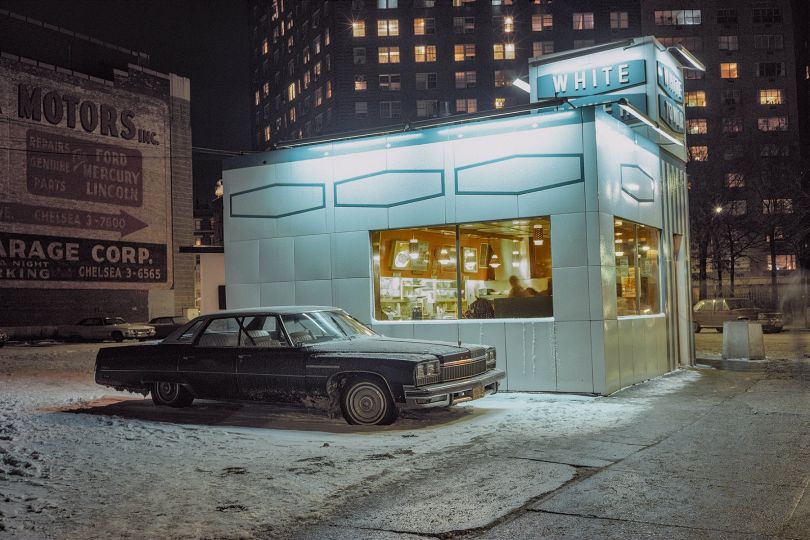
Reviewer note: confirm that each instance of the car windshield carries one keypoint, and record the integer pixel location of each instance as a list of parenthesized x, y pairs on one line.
[(114, 320), (738, 303), (320, 326)]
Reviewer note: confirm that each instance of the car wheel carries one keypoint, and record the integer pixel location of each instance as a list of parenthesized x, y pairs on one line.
[(171, 395), (117, 336), (367, 402)]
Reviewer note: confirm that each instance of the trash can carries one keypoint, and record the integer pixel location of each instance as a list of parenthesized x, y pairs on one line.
[(743, 340)]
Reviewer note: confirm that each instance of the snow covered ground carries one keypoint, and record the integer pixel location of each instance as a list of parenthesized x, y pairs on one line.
[(80, 461)]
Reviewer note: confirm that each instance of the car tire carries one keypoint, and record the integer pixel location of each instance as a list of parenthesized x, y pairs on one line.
[(365, 401), (118, 337), (170, 395)]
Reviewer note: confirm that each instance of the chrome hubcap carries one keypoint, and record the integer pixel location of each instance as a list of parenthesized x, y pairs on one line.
[(366, 403)]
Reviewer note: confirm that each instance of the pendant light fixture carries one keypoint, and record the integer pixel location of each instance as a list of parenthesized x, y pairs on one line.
[(515, 254), (539, 235), (413, 249), (494, 261)]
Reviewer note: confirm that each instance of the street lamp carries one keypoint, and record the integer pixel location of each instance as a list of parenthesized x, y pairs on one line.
[(718, 209)]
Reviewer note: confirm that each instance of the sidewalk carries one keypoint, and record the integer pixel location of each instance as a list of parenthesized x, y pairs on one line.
[(726, 455)]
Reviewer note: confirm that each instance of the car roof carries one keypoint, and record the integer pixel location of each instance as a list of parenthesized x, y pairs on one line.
[(277, 310)]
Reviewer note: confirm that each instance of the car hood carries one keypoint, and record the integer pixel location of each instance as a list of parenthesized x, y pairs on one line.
[(392, 346)]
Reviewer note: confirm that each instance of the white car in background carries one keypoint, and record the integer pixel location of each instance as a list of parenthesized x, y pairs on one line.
[(103, 328)]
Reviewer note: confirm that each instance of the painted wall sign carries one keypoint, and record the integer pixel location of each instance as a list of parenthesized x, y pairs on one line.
[(592, 81), (671, 113), (25, 257), (71, 168), (670, 82)]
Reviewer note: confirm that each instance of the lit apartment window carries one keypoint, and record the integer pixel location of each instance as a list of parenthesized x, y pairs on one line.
[(305, 56), (387, 4), (266, 133), (769, 42), (423, 27), (727, 16), (728, 43), (265, 47), (390, 109), (770, 96), (728, 70), (463, 25), (427, 108), (316, 45), (777, 206), (735, 180), (388, 55), (258, 97), (390, 81), (542, 22), (327, 36), (388, 27), (426, 81), (359, 28), (500, 103), (307, 79), (359, 55), (583, 21), (361, 109), (266, 88), (784, 262), (424, 53), (328, 89), (732, 125), (360, 83), (619, 20), (698, 153), (463, 52), (465, 79), (540, 48), (678, 17), (501, 78), (696, 98), (318, 95), (293, 115), (503, 51), (766, 15), (771, 69), (772, 123), (697, 126), (291, 92), (508, 24), (462, 3), (469, 105)]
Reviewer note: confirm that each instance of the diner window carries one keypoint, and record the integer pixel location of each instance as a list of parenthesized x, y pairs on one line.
[(728, 70), (770, 96), (358, 28), (697, 126), (388, 27), (424, 53), (637, 272), (504, 266)]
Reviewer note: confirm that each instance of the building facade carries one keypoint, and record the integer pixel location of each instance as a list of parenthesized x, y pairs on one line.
[(95, 180)]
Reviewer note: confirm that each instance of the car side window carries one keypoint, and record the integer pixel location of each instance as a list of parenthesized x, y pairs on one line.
[(701, 306), (191, 331), (262, 331), (220, 333), (720, 305)]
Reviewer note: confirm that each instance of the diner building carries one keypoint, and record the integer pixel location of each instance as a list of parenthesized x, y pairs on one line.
[(555, 231)]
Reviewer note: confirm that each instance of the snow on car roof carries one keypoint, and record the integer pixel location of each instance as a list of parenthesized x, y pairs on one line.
[(280, 310)]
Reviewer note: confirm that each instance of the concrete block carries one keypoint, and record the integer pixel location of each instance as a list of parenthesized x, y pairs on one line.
[(743, 339)]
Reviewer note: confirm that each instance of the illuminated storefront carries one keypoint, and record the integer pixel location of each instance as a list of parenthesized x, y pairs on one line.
[(559, 235)]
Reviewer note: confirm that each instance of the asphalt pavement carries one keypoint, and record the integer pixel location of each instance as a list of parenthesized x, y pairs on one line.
[(725, 456)]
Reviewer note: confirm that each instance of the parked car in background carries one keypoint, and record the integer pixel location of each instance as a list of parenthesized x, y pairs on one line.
[(712, 313), (166, 325), (311, 355), (3, 338), (103, 328)]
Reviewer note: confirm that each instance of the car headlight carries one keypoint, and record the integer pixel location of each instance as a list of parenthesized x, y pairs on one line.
[(491, 359), (427, 372)]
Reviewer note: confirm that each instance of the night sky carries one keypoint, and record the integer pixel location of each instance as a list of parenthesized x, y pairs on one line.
[(204, 40)]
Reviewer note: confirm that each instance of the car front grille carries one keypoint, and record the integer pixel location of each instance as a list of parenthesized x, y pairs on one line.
[(462, 369)]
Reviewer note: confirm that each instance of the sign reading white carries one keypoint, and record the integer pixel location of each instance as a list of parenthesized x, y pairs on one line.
[(588, 82)]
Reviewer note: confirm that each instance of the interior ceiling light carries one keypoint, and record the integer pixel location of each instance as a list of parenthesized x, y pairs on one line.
[(494, 262), (539, 235), (413, 249)]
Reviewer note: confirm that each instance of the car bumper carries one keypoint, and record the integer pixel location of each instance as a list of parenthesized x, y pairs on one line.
[(447, 393)]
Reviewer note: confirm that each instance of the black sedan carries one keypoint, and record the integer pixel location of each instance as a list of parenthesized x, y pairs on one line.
[(310, 355)]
